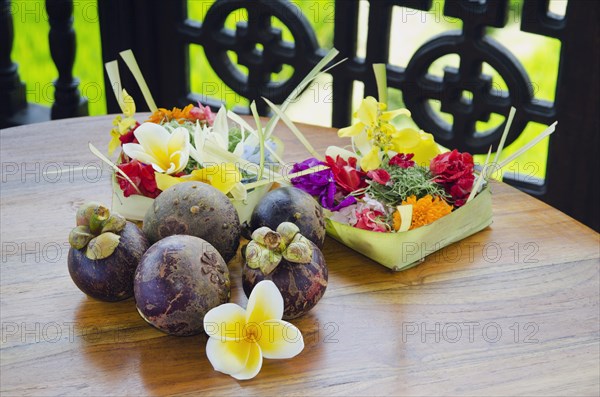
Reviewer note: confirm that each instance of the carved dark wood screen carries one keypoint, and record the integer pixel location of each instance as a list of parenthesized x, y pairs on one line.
[(160, 33)]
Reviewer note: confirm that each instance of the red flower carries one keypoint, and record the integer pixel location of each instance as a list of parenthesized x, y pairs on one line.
[(142, 175), (454, 171), (366, 219), (380, 176), (402, 160), (347, 175), (129, 137)]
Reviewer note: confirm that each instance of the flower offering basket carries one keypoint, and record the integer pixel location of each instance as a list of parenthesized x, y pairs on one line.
[(394, 195), (252, 154), (401, 251)]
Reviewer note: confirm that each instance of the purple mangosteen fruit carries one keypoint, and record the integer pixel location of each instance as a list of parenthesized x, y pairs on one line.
[(105, 251), (178, 280), (294, 263), (290, 204), (195, 209)]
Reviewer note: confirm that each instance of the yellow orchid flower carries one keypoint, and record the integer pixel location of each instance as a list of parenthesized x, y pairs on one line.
[(424, 148), (122, 125), (167, 152), (128, 105), (224, 177), (239, 339), (374, 135)]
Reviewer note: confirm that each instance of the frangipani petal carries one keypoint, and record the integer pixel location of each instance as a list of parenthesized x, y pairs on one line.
[(225, 322), (166, 152), (158, 168), (180, 138), (136, 151), (265, 303), (280, 339), (352, 130), (239, 149), (371, 161), (197, 150), (152, 137), (230, 356), (220, 127), (217, 140), (253, 363), (239, 339)]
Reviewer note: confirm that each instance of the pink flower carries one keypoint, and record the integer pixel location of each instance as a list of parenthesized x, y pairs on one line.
[(367, 220), (203, 113), (380, 176)]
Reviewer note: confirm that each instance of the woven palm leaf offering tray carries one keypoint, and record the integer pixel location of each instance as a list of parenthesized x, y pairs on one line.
[(394, 195)]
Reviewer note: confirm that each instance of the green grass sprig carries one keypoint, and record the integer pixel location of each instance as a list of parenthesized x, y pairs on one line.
[(405, 182)]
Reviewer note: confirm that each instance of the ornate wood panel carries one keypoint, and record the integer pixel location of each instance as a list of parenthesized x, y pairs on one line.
[(160, 34)]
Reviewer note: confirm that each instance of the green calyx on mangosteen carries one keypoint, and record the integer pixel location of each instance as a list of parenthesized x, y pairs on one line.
[(105, 251), (268, 248), (195, 209), (97, 230), (290, 204), (294, 263), (179, 279)]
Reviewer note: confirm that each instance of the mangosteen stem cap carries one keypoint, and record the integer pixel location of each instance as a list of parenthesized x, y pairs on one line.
[(97, 229), (268, 248)]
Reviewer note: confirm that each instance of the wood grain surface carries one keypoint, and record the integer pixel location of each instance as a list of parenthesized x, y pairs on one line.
[(512, 310)]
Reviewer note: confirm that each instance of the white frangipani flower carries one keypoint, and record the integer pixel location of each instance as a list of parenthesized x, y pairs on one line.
[(167, 152), (239, 339)]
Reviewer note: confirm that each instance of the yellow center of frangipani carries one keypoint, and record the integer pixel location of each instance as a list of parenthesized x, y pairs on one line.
[(239, 339), (168, 152)]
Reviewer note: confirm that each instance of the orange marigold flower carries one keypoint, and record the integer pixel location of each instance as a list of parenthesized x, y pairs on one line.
[(182, 114), (397, 220), (163, 115), (426, 210), (160, 115)]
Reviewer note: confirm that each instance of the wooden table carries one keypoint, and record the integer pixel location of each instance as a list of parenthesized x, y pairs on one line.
[(512, 310)]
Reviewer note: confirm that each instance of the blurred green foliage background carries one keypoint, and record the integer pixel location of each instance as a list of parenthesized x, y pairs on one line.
[(539, 55)]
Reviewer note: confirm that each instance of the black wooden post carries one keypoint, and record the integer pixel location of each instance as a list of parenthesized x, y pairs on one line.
[(118, 33), (12, 90), (573, 160), (67, 100)]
